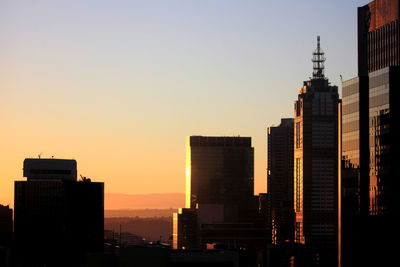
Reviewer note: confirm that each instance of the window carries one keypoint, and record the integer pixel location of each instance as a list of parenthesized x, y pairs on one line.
[(298, 184), (298, 140), (298, 232)]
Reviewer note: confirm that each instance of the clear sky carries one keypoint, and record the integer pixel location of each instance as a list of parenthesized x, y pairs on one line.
[(118, 85)]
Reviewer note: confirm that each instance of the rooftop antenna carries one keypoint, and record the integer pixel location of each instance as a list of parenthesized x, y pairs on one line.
[(318, 61), (84, 178)]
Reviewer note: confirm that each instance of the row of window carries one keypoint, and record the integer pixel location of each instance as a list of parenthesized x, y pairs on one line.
[(382, 44), (298, 184)]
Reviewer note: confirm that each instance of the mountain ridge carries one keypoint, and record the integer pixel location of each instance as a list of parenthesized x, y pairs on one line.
[(115, 201)]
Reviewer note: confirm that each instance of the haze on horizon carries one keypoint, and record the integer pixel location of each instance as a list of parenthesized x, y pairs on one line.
[(119, 85)]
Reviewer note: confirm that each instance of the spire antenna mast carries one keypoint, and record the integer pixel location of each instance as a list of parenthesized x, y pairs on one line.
[(318, 61)]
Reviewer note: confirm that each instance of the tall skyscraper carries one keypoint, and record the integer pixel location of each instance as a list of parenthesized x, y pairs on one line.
[(369, 141), (316, 165), (378, 56), (58, 220), (379, 60), (280, 180)]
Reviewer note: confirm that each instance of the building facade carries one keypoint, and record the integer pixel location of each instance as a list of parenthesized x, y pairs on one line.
[(222, 210), (220, 170), (351, 181), (383, 114), (378, 57), (316, 165), (280, 180), (185, 230)]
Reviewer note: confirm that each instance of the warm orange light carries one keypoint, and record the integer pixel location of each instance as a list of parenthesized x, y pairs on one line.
[(188, 172)]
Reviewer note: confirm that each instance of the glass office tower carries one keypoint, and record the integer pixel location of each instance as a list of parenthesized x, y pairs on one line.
[(383, 85), (350, 146), (221, 206), (368, 190), (219, 170)]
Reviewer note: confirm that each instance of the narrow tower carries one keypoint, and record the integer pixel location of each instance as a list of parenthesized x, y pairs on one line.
[(316, 165), (280, 180)]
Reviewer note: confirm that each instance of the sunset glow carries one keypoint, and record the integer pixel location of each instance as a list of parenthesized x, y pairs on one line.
[(118, 86)]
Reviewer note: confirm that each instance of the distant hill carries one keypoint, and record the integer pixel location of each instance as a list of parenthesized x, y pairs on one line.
[(116, 201), (140, 213)]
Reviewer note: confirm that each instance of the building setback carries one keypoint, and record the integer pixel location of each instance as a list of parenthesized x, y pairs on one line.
[(280, 180), (316, 165)]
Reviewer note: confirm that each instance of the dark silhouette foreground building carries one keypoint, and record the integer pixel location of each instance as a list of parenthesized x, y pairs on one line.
[(280, 181), (160, 255), (6, 235), (6, 226), (370, 139), (58, 219)]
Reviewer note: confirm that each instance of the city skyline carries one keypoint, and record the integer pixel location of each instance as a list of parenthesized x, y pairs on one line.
[(119, 87)]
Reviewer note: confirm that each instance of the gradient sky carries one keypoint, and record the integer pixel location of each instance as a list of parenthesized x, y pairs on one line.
[(118, 85)]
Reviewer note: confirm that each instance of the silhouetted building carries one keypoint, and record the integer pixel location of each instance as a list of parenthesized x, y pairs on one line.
[(370, 138), (280, 181), (58, 220), (248, 236), (6, 235), (185, 232), (159, 255), (219, 170), (316, 165), (265, 213), (6, 226), (211, 258), (221, 206), (220, 178)]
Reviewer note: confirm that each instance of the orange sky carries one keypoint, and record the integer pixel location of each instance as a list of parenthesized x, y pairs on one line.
[(119, 85)]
